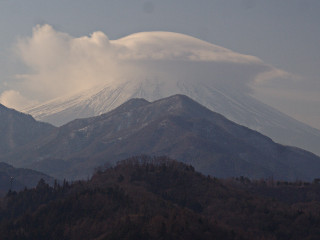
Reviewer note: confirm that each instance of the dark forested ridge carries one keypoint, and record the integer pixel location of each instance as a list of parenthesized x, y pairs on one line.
[(159, 198), (177, 127)]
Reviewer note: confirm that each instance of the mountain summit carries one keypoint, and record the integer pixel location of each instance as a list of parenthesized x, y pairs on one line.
[(175, 126)]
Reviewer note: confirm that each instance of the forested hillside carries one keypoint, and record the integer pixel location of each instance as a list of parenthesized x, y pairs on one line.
[(158, 198)]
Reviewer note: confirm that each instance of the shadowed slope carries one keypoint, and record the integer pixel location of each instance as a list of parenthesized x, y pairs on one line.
[(175, 126)]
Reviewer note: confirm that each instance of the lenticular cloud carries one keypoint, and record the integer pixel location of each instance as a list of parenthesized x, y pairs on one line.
[(60, 65)]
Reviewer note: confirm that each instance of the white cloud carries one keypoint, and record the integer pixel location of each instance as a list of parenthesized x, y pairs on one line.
[(13, 99), (60, 64)]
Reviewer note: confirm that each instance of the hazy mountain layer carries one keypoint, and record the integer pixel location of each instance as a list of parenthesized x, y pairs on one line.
[(18, 178)]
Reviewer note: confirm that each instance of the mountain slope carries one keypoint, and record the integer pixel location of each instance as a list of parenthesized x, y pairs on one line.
[(176, 126), (18, 129), (155, 65)]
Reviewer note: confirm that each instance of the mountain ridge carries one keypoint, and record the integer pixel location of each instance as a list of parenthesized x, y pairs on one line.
[(176, 126)]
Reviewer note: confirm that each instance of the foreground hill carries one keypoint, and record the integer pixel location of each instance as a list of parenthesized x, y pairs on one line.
[(177, 127), (158, 198), (18, 178), (18, 129)]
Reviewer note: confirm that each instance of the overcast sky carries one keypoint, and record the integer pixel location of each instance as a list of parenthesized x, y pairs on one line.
[(284, 34)]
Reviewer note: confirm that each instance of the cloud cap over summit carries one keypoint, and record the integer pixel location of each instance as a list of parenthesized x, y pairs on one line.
[(59, 64)]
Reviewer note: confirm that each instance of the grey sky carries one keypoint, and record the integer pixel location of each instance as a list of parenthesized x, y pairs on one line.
[(285, 34)]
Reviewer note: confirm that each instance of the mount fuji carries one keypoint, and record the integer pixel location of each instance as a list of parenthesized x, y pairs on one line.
[(155, 65)]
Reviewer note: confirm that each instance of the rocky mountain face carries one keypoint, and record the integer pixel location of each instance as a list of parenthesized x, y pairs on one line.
[(175, 126), (18, 129), (18, 178)]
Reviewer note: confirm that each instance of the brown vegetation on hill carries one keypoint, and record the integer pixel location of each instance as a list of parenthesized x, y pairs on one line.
[(159, 198)]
